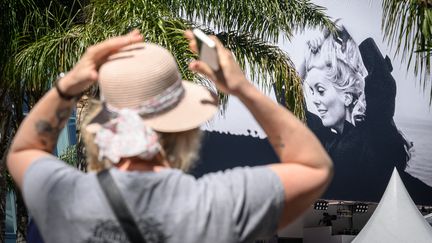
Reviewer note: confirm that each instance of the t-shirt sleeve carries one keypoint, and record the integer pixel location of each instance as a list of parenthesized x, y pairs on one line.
[(48, 183), (256, 200)]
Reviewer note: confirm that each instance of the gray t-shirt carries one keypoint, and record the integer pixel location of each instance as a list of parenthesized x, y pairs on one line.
[(237, 205)]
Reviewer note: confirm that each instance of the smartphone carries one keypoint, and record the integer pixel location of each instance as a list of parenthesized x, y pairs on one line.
[(207, 49)]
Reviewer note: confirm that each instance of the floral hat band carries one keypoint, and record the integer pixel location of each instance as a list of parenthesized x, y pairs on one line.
[(157, 104)]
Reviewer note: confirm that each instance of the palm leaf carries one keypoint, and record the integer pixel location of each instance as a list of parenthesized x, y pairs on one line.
[(272, 65), (244, 26), (57, 51), (268, 63), (262, 19), (407, 26)]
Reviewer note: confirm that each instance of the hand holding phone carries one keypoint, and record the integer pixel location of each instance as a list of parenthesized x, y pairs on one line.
[(207, 49)]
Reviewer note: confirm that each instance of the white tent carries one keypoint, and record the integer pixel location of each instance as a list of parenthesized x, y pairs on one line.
[(428, 218), (396, 219)]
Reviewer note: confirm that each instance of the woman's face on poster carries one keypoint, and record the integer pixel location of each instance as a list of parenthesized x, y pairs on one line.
[(329, 102)]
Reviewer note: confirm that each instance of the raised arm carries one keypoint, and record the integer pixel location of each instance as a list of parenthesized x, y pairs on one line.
[(38, 133), (305, 168)]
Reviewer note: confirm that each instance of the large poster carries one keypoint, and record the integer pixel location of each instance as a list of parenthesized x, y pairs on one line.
[(364, 105)]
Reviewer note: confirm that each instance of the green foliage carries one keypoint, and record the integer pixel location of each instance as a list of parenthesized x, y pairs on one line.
[(408, 25), (70, 156), (270, 65), (266, 20), (54, 36)]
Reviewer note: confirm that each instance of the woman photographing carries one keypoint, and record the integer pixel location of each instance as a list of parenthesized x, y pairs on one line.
[(141, 138)]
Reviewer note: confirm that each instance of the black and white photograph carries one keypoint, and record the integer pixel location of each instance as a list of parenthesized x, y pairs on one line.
[(365, 106), (350, 95), (363, 103)]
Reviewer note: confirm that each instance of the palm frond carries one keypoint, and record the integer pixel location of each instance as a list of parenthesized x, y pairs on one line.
[(36, 66), (157, 24), (269, 66), (39, 63), (57, 47), (262, 19), (34, 24), (407, 26)]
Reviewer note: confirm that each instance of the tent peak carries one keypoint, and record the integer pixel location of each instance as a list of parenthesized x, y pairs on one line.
[(396, 218)]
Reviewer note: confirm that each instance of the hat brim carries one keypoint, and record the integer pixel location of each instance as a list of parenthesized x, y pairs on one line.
[(197, 106)]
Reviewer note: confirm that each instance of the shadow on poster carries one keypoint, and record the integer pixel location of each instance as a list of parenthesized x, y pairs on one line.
[(350, 95)]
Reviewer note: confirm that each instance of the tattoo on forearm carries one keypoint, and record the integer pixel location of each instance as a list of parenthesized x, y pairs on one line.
[(49, 132), (278, 142)]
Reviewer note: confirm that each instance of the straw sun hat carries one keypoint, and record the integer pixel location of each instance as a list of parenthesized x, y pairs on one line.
[(144, 77)]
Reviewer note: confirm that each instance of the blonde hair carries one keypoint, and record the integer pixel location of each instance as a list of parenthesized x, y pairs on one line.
[(180, 149), (343, 67), (348, 81)]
